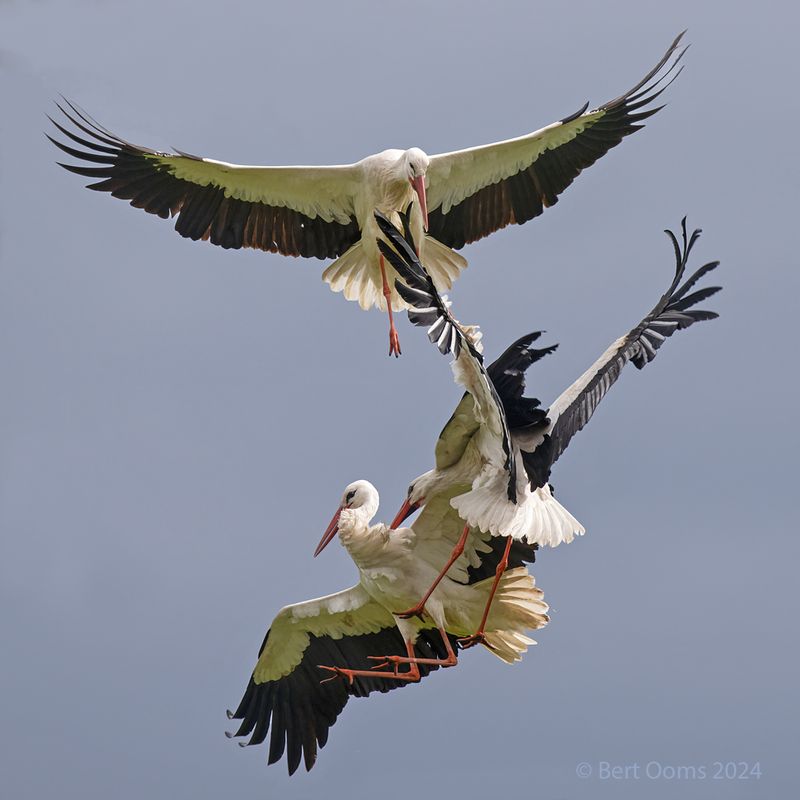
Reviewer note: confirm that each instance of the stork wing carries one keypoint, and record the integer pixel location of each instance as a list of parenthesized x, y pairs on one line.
[(574, 407), (296, 211), (477, 191), (284, 692), (507, 374), (429, 308), (437, 530)]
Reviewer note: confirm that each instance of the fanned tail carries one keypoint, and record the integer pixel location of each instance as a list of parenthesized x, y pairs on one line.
[(443, 264), (351, 274), (537, 519), (518, 607)]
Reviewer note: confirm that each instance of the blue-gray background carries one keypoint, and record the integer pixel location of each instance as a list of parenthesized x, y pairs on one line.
[(177, 422)]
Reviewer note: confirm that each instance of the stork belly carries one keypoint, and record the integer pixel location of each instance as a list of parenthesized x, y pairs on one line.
[(397, 589)]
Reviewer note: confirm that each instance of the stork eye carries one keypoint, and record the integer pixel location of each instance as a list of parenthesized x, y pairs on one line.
[(350, 496)]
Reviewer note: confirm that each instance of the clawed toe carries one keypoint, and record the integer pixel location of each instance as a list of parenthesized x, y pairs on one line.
[(338, 672), (470, 641), (387, 661), (394, 344)]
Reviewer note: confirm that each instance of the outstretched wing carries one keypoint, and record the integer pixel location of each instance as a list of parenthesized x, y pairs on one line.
[(296, 211), (429, 309), (574, 408), (477, 191), (284, 697)]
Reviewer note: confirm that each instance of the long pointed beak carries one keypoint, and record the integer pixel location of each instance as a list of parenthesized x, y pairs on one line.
[(418, 185), (406, 510), (330, 532)]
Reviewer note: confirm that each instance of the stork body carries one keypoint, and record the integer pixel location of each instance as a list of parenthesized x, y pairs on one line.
[(396, 565), (495, 455), (326, 211), (390, 181), (354, 637)]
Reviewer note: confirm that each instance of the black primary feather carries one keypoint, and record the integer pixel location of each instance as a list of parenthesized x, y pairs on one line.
[(536, 186), (297, 711), (508, 376), (134, 173)]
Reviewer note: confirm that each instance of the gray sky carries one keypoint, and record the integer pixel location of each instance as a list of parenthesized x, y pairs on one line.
[(170, 456)]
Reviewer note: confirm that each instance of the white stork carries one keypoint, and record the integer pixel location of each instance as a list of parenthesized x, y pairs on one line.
[(496, 452), (343, 632), (326, 212)]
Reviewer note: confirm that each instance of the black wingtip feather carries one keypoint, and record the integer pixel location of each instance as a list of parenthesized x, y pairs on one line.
[(672, 311), (576, 114), (297, 711), (145, 178), (537, 184)]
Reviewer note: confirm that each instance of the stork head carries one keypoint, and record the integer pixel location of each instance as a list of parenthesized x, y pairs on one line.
[(415, 164), (359, 504), (415, 498)]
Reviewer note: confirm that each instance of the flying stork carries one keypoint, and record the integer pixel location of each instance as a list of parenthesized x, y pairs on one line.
[(495, 455), (327, 211), (342, 635)]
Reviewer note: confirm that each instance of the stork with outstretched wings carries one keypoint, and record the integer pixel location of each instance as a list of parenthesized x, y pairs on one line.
[(326, 211)]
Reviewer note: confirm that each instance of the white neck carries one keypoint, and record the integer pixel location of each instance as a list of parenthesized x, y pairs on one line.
[(364, 542)]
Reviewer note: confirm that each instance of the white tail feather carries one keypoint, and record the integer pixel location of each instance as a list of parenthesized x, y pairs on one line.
[(358, 278), (538, 517), (351, 274), (442, 264)]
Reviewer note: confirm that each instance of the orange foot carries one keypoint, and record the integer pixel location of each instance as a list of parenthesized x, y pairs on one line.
[(338, 672), (395, 661), (394, 342), (470, 641)]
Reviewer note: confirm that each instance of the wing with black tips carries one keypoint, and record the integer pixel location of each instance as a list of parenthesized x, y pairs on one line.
[(284, 698), (296, 211), (479, 190), (574, 408)]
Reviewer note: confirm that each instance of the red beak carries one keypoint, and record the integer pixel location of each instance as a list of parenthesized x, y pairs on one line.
[(330, 532), (418, 185), (406, 510)]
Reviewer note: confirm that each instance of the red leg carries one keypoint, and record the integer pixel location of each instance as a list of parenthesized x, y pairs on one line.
[(450, 661), (348, 674), (419, 609), (394, 339), (480, 637)]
